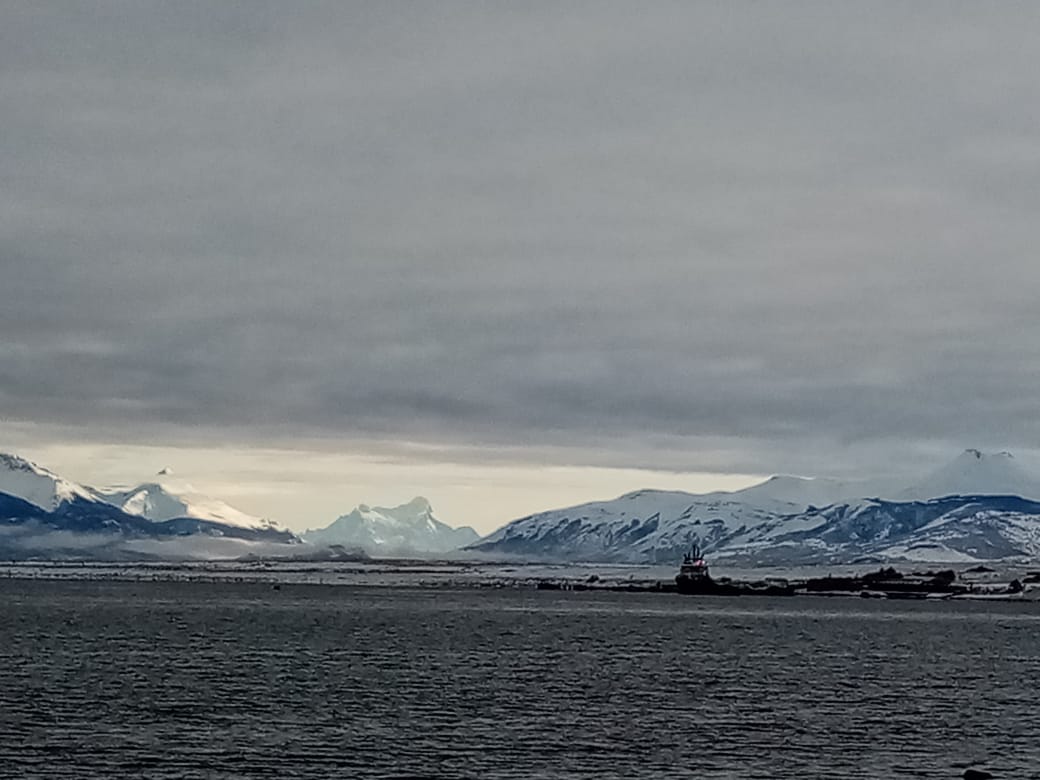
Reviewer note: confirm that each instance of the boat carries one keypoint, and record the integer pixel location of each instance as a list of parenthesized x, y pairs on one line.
[(694, 577)]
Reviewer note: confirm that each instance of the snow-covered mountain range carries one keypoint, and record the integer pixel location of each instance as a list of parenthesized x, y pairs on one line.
[(37, 485), (979, 507), (161, 500), (409, 528), (44, 514)]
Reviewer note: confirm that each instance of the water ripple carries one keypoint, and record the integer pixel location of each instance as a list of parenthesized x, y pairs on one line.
[(191, 680)]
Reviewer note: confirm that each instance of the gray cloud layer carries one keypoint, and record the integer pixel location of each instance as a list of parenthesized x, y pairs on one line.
[(793, 227)]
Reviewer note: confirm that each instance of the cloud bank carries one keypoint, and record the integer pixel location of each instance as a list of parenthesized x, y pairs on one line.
[(743, 237)]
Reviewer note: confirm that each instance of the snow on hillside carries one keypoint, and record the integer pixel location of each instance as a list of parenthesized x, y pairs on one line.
[(968, 509), (169, 498), (781, 492), (410, 527), (647, 525), (974, 532), (26, 480), (978, 507), (976, 473)]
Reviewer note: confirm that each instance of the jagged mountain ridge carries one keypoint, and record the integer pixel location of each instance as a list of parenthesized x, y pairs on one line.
[(83, 516), (167, 499), (39, 486), (39, 501), (35, 500), (411, 527), (164, 499), (783, 521)]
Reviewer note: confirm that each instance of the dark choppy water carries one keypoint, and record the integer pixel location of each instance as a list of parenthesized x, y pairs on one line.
[(238, 681)]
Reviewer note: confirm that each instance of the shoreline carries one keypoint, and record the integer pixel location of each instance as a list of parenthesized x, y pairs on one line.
[(987, 585)]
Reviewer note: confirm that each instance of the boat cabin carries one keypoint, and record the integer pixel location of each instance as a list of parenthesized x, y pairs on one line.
[(693, 565)]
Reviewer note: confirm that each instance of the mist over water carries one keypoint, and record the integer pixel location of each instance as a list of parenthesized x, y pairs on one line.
[(197, 680)]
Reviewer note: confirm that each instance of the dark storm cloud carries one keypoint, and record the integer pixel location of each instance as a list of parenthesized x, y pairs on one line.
[(756, 231)]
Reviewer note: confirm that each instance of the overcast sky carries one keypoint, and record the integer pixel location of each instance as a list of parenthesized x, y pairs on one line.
[(472, 241)]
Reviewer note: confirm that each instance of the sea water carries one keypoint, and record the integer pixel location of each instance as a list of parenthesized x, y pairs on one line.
[(203, 680)]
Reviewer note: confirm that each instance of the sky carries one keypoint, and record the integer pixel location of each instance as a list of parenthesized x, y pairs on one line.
[(511, 256)]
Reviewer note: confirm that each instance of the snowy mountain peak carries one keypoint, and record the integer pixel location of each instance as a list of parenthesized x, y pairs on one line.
[(9, 462), (24, 479), (410, 527), (799, 492), (418, 509), (168, 499), (975, 472)]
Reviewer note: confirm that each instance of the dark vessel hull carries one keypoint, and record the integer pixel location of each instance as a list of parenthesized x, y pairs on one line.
[(710, 587)]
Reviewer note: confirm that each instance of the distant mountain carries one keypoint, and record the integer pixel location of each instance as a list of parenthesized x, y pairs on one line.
[(976, 473), (978, 507), (39, 509), (96, 529), (167, 498), (37, 485), (409, 528), (800, 492), (950, 528), (644, 526), (43, 514)]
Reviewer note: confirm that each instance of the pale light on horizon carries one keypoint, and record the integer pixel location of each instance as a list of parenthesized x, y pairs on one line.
[(310, 489)]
